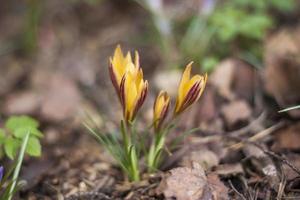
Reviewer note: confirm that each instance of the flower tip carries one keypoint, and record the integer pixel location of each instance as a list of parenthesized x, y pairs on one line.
[(118, 49), (160, 109), (136, 59), (118, 46)]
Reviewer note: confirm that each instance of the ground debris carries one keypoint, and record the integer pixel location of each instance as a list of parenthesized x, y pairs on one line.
[(186, 183), (235, 78), (282, 69), (236, 112), (204, 157), (287, 138)]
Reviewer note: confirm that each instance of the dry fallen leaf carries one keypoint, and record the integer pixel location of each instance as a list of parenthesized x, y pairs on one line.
[(61, 99), (234, 78), (222, 78), (26, 102), (185, 183), (236, 112), (204, 157), (287, 138), (282, 69), (227, 170)]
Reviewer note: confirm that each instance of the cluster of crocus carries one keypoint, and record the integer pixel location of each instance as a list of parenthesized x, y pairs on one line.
[(189, 91), (127, 78)]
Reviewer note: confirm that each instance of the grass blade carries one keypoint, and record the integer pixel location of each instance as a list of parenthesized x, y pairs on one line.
[(290, 108), (18, 166)]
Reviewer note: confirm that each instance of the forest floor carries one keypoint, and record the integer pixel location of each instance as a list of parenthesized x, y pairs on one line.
[(246, 149)]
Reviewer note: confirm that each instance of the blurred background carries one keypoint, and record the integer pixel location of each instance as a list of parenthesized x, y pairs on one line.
[(54, 62), (73, 39)]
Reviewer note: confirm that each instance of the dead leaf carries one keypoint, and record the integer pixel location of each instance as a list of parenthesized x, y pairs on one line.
[(228, 170), (218, 189), (204, 157), (185, 183), (222, 78), (236, 112), (294, 159), (206, 109), (287, 138), (61, 99), (26, 102), (234, 78), (282, 69)]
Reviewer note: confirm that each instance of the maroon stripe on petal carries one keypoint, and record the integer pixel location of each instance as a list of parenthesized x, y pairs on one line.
[(113, 77), (190, 95), (163, 115), (140, 100), (122, 91), (194, 97)]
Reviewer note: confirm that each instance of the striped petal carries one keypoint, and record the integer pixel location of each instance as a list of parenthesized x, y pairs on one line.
[(190, 89)]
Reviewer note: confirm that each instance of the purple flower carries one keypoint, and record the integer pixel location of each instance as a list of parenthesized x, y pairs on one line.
[(1, 172)]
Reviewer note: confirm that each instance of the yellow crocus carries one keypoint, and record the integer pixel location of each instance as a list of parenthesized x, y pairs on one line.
[(160, 109), (119, 64), (190, 89), (133, 91)]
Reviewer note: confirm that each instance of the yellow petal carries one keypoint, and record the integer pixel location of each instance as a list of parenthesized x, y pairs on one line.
[(161, 105), (130, 94), (184, 79), (120, 63), (203, 84), (137, 59), (190, 84), (187, 86)]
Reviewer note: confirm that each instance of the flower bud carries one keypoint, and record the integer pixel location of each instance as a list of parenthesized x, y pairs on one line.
[(190, 89), (160, 109)]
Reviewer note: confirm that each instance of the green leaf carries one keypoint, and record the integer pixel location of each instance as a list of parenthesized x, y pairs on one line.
[(15, 122), (209, 64), (11, 146), (34, 147), (22, 131), (2, 136), (133, 164), (284, 6)]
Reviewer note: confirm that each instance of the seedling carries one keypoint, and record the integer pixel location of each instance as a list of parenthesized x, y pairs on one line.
[(14, 132)]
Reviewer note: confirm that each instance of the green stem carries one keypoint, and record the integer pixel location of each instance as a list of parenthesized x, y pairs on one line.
[(18, 167), (155, 151), (130, 151), (125, 137)]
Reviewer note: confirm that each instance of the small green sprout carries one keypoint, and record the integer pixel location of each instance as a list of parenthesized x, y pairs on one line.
[(19, 136)]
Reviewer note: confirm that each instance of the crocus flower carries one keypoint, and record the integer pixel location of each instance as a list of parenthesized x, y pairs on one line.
[(160, 109), (133, 91), (1, 172), (119, 64), (190, 89)]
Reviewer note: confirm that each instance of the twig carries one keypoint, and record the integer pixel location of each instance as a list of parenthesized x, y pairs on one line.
[(274, 155), (281, 188), (257, 136), (236, 191), (256, 122), (278, 157)]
